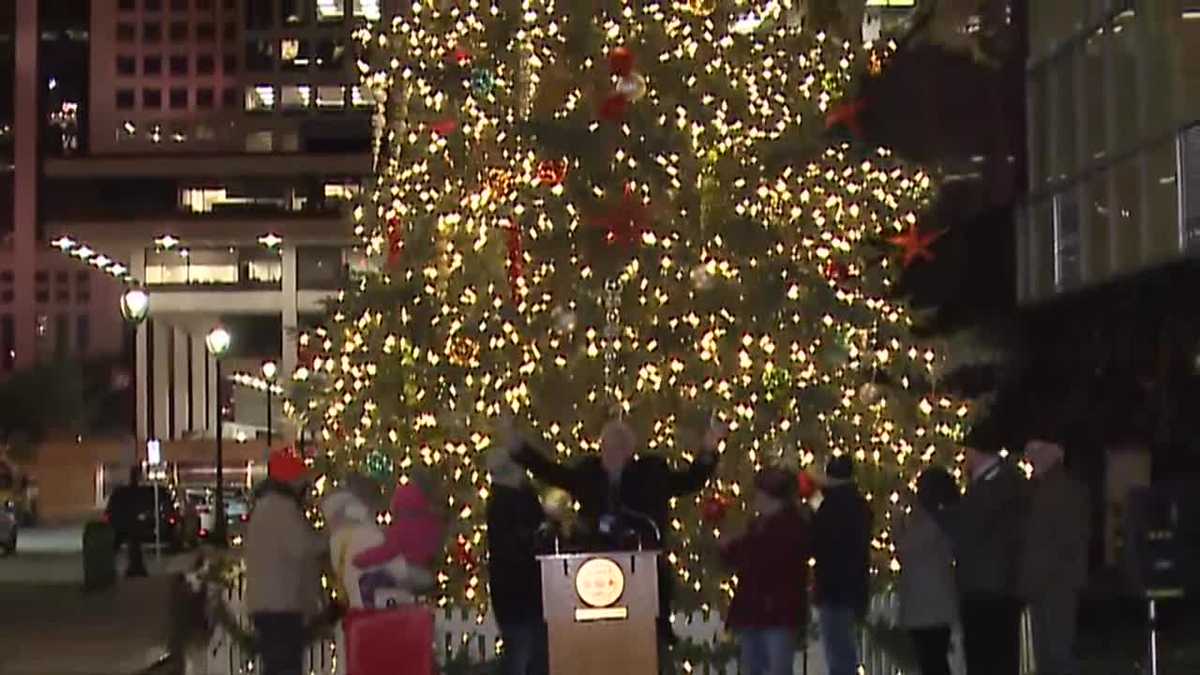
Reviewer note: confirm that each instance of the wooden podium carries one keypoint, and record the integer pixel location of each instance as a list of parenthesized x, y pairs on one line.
[(601, 612)]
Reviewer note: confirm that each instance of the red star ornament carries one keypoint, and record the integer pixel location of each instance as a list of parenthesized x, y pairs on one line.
[(916, 245), (626, 223), (847, 115)]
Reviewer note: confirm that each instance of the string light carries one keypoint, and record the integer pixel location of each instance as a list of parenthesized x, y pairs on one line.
[(758, 287)]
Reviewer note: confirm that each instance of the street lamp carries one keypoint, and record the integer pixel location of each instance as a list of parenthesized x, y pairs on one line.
[(135, 306), (217, 341), (269, 370)]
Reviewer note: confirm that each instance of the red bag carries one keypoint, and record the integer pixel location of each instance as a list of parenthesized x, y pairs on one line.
[(389, 641)]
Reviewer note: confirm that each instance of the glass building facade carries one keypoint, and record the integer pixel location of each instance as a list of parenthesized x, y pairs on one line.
[(1114, 146)]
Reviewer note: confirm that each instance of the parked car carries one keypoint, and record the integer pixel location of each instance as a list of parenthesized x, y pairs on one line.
[(130, 512), (8, 528)]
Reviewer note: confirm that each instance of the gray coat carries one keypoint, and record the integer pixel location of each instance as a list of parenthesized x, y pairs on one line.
[(986, 530), (926, 588), (282, 555), (1057, 532)]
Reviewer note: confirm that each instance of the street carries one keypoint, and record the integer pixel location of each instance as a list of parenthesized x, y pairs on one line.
[(53, 555)]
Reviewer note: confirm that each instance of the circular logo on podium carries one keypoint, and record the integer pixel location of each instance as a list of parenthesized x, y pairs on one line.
[(600, 582)]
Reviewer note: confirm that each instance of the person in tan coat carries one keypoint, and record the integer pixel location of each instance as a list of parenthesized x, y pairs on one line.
[(1054, 564)]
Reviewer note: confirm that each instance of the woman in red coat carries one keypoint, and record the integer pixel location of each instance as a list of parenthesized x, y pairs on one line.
[(770, 605)]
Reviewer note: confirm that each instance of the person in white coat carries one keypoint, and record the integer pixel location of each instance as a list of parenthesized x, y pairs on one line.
[(926, 588)]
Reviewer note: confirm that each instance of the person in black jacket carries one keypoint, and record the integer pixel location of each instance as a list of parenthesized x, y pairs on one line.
[(514, 518), (616, 490), (841, 543)]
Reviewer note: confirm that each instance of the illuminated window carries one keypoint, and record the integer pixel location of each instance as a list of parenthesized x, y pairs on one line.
[(184, 266), (331, 10), (342, 192), (294, 53), (360, 97), (267, 271), (892, 3), (260, 141), (331, 97), (367, 9), (294, 97), (260, 97)]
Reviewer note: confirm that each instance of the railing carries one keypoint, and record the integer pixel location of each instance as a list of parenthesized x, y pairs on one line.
[(461, 636)]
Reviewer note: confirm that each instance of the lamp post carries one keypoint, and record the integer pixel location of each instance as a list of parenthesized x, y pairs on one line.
[(135, 307), (269, 369), (217, 341)]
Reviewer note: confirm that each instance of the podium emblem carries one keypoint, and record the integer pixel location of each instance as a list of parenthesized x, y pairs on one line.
[(600, 582)]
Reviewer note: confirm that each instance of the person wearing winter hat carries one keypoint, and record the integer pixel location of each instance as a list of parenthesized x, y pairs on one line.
[(514, 519), (985, 529), (770, 605), (282, 554), (841, 546), (1054, 562)]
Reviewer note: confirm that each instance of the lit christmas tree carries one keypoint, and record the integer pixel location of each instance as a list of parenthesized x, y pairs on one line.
[(617, 207)]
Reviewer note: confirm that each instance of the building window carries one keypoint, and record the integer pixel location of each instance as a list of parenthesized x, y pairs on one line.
[(153, 5), (206, 32), (230, 98), (342, 192), (179, 31), (330, 54), (294, 97), (198, 267), (179, 5), (360, 97), (126, 5), (331, 97), (152, 32), (260, 141), (291, 12), (126, 32), (259, 15), (1191, 188), (229, 64), (1067, 261), (205, 99), (260, 97), (83, 334), (152, 65), (331, 10), (152, 98), (125, 99), (126, 65), (179, 65), (294, 53), (230, 31), (83, 287), (260, 55), (179, 98), (369, 9), (205, 64), (62, 335)]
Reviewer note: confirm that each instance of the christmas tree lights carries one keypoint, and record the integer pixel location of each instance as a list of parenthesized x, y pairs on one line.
[(589, 209)]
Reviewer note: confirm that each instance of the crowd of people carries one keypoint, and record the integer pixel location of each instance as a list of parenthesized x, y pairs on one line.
[(975, 558)]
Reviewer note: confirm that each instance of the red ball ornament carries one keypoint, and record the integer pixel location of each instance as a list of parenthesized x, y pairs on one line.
[(620, 61), (713, 509), (445, 127), (461, 56), (552, 172), (835, 271), (805, 485), (613, 109)]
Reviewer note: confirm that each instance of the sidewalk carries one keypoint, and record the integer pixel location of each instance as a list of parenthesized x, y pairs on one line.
[(59, 630)]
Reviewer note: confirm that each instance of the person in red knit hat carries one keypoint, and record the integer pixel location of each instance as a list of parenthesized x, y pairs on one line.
[(770, 605), (282, 557)]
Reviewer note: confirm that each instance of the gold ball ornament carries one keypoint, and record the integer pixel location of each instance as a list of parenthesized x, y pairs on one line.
[(632, 87), (700, 7), (463, 351), (558, 505), (870, 393)]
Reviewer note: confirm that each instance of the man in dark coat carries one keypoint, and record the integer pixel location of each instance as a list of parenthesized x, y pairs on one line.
[(616, 488), (1054, 564), (841, 546), (985, 529), (514, 518)]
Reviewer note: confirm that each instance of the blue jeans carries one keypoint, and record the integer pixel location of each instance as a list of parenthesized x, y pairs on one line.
[(838, 634), (525, 649), (768, 651)]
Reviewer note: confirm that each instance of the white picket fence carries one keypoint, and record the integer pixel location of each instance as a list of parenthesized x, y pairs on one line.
[(458, 634)]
